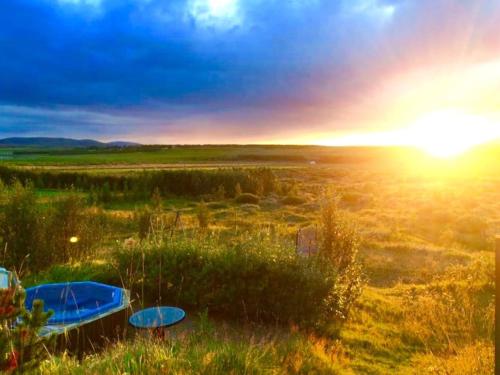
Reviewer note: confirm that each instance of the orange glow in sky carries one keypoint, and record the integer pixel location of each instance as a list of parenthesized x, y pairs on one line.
[(444, 113)]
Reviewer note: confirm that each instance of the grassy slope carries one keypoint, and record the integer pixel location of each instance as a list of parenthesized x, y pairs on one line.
[(412, 228)]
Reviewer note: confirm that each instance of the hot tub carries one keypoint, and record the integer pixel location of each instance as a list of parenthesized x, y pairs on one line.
[(89, 306)]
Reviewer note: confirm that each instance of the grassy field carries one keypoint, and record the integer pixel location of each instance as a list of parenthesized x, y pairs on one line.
[(426, 246)]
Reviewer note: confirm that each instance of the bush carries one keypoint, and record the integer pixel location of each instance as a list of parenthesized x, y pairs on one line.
[(293, 200), (254, 278), (71, 232), (203, 215), (339, 246), (20, 225), (247, 198), (21, 349), (36, 236)]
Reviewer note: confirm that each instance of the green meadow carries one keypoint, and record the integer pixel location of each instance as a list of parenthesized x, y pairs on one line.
[(213, 229)]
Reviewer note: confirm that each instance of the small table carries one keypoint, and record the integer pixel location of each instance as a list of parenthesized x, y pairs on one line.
[(157, 318)]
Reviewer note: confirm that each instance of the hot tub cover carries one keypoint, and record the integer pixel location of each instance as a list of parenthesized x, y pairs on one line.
[(77, 302)]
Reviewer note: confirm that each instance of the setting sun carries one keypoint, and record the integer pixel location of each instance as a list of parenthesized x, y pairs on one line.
[(449, 133)]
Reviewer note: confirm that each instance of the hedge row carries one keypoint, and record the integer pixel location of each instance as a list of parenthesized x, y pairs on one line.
[(177, 182)]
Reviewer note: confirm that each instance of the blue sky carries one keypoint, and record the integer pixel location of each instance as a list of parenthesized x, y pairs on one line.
[(238, 71)]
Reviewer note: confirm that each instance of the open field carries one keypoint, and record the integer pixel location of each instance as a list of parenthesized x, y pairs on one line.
[(426, 248)]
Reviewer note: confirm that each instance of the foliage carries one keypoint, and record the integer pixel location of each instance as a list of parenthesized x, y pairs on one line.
[(38, 236), (203, 215), (184, 182), (456, 309), (21, 349), (339, 246), (21, 224), (247, 198), (212, 350), (237, 190), (249, 278), (71, 232), (293, 200)]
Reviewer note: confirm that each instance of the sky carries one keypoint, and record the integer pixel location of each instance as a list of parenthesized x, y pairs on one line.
[(251, 71)]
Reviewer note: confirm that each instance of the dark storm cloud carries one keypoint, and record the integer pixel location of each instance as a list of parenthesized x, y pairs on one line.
[(151, 64)]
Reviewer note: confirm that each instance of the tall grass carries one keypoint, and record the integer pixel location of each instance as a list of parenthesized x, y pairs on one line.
[(455, 310), (210, 350), (36, 236)]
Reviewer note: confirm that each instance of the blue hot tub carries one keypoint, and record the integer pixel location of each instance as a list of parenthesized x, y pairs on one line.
[(77, 303)]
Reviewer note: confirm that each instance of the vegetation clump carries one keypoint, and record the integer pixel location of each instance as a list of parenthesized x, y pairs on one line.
[(21, 348), (293, 200), (339, 245), (203, 215), (254, 278), (181, 182), (36, 236), (247, 198)]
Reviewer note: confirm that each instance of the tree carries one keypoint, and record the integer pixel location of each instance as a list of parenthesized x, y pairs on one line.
[(21, 347)]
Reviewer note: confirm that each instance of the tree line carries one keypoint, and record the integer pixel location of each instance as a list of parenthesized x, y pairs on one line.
[(182, 182)]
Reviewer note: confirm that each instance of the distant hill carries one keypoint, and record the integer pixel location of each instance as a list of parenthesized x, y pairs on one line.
[(60, 142)]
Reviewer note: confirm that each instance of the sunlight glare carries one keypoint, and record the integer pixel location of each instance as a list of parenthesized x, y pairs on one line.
[(449, 133)]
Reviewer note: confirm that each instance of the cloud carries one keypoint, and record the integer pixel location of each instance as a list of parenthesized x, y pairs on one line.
[(163, 66)]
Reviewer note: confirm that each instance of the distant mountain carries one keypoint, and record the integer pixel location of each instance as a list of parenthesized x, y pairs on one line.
[(60, 142), (121, 144)]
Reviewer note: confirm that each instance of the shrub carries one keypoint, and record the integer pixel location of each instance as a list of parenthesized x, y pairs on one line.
[(72, 231), (21, 348), (152, 223), (237, 190), (203, 215), (254, 278), (37, 236), (20, 225), (339, 246), (143, 217), (247, 198), (220, 193), (293, 200)]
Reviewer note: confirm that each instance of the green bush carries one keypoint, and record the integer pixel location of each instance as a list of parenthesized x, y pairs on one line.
[(247, 198), (71, 232), (339, 245), (254, 278), (35, 236), (20, 225), (184, 182), (203, 215)]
